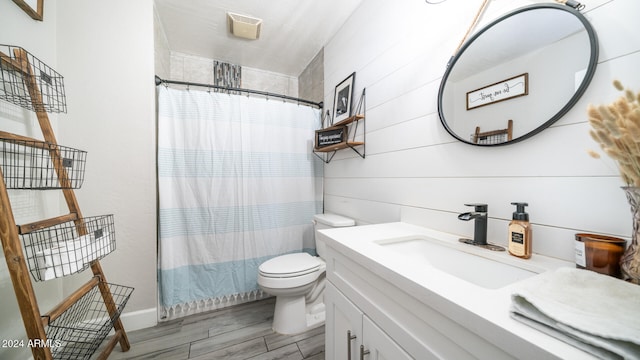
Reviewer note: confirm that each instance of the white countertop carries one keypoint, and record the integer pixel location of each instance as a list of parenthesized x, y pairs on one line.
[(491, 306)]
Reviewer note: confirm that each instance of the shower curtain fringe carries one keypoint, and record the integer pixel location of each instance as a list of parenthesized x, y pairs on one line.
[(204, 305), (160, 81)]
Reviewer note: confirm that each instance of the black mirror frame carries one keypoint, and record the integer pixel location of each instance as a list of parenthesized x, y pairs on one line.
[(591, 68)]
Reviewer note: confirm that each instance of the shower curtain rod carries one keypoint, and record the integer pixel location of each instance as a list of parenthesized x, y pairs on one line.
[(160, 81)]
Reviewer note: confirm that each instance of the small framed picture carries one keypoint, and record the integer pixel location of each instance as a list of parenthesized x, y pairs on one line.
[(342, 99), (32, 7)]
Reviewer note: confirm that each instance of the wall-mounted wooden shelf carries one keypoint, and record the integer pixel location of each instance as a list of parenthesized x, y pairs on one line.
[(338, 146), (351, 124), (349, 120)]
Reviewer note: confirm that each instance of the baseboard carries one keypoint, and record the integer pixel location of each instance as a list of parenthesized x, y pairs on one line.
[(141, 319)]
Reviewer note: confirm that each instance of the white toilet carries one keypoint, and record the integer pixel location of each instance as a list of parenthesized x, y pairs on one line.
[(297, 281)]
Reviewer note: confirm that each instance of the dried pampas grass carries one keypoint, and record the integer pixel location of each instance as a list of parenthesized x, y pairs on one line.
[(616, 127)]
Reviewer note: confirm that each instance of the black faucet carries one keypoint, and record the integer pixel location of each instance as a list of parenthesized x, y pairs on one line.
[(480, 227)]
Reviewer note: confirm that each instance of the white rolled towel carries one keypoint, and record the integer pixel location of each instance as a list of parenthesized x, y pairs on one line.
[(69, 257)]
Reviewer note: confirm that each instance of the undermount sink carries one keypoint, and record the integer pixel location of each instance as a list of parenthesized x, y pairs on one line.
[(465, 262)]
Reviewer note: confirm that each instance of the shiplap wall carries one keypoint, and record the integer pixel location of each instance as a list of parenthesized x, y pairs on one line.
[(415, 172)]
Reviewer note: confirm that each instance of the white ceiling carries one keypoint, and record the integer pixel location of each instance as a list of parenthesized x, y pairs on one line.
[(293, 31)]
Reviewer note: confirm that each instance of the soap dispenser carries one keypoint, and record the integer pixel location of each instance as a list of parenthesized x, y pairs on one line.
[(520, 232)]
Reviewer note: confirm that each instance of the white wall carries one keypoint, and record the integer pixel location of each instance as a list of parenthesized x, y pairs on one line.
[(415, 172), (104, 51)]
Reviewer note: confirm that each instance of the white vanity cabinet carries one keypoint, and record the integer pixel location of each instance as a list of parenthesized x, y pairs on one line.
[(389, 320), (343, 325), (379, 346), (399, 308), (353, 335)]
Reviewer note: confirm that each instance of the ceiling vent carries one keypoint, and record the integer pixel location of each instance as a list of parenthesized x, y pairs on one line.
[(245, 27)]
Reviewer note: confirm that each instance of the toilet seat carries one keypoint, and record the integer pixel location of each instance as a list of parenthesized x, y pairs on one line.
[(290, 271), (290, 265)]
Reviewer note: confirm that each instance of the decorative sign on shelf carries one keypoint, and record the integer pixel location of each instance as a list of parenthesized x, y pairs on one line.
[(500, 91), (330, 136)]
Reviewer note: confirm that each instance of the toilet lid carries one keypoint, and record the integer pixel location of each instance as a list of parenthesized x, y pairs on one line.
[(290, 265)]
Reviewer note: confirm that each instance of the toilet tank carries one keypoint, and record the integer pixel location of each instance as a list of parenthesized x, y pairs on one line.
[(328, 221)]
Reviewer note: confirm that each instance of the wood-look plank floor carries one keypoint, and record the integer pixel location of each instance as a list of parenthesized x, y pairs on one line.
[(240, 332)]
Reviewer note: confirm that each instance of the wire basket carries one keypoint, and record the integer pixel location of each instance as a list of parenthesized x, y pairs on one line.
[(68, 248), (29, 83), (41, 166), (489, 139), (78, 332)]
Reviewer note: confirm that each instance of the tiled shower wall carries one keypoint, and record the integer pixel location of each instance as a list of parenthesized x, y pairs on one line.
[(184, 67), (311, 81)]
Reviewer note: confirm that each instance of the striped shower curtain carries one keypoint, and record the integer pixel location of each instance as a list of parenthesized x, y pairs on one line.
[(238, 184)]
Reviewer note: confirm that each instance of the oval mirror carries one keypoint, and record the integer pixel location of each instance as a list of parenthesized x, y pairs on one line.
[(518, 75)]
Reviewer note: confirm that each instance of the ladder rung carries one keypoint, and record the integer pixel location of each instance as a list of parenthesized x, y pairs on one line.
[(69, 301), (31, 142), (27, 228), (13, 64)]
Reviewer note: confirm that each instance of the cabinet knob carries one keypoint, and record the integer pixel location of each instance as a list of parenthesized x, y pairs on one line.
[(349, 338), (363, 352)]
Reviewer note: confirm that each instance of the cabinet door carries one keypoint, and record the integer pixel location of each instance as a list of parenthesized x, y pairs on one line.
[(343, 319), (378, 344)]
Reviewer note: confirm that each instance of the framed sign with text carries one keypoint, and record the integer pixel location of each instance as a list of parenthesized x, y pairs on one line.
[(499, 91), (331, 136)]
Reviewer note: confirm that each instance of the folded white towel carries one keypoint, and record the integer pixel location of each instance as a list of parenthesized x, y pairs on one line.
[(594, 312)]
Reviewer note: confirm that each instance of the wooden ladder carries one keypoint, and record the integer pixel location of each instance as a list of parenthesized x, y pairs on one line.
[(34, 322)]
